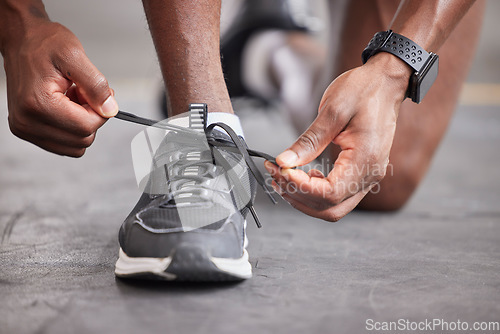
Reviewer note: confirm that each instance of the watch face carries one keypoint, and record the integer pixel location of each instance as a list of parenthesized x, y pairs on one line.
[(426, 78)]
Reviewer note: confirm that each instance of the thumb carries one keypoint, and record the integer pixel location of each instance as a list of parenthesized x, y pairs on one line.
[(91, 85), (311, 143)]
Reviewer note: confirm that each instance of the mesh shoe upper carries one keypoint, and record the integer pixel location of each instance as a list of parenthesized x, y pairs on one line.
[(200, 190)]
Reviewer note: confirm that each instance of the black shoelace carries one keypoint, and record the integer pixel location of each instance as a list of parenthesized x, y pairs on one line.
[(236, 145)]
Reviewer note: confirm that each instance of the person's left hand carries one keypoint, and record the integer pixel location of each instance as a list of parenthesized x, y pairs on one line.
[(358, 113)]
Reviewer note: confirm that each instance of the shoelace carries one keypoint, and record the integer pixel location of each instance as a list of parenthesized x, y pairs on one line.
[(236, 145)]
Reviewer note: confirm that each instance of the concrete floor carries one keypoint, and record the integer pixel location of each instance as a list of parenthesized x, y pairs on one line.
[(59, 218)]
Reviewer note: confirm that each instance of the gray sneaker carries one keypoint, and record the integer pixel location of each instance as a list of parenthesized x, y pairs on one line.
[(190, 222)]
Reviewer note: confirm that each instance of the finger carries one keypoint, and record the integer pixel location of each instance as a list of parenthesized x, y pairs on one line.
[(62, 137), (332, 214), (69, 116), (91, 83), (276, 187), (72, 94), (316, 173), (354, 171), (313, 195), (313, 141), (321, 192), (65, 148), (47, 134), (298, 187), (275, 172), (308, 189), (60, 149), (80, 95)]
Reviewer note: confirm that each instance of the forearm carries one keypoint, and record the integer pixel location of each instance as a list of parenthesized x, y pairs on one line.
[(16, 18), (429, 23)]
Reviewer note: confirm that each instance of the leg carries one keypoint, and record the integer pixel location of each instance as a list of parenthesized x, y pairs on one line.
[(419, 127), (190, 222), (186, 36)]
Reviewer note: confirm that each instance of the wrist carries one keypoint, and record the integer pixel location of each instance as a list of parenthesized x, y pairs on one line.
[(394, 73), (17, 18)]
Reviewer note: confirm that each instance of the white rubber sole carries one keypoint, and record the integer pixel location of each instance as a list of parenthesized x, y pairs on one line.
[(212, 268)]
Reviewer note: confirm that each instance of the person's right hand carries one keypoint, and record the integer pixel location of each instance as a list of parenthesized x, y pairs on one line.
[(57, 98)]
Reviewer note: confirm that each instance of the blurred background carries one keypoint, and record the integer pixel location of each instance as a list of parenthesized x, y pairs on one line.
[(116, 38)]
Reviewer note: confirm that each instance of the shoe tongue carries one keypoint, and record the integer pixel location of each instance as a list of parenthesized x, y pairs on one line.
[(198, 116), (198, 122)]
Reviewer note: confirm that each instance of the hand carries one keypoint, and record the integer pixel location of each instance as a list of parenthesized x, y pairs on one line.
[(358, 112), (57, 98)]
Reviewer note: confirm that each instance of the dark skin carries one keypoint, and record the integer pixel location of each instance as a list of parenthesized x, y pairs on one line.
[(420, 127), (186, 37), (358, 113), (58, 99), (363, 128)]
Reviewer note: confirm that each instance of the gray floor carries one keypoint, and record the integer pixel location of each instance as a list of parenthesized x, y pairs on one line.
[(59, 217)]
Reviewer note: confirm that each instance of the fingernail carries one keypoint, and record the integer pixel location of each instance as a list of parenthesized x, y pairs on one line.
[(109, 107), (285, 172), (288, 158)]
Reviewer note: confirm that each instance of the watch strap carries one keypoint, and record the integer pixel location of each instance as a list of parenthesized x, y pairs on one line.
[(398, 45)]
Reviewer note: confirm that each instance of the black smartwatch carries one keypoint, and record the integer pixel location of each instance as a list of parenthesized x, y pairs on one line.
[(425, 64)]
